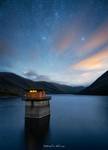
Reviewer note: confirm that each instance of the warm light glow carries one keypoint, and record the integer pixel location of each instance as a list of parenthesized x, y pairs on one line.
[(33, 91)]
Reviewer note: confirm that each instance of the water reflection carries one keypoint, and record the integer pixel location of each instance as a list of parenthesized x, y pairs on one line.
[(76, 122), (36, 131)]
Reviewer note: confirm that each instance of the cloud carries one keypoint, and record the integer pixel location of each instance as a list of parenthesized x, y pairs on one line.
[(34, 76), (30, 74), (99, 38), (67, 36), (87, 77), (88, 69), (73, 28), (98, 61), (81, 77), (64, 40)]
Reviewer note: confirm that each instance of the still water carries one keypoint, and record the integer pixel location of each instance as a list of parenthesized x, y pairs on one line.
[(76, 123)]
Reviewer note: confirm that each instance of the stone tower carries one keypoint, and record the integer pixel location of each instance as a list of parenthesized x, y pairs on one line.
[(37, 104)]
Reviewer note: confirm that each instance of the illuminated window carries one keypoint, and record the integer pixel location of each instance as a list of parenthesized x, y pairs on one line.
[(33, 91)]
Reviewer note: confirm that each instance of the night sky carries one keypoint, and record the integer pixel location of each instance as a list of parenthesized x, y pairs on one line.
[(63, 41)]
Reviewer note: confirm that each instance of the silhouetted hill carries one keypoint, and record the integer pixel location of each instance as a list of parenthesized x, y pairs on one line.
[(12, 84), (99, 87)]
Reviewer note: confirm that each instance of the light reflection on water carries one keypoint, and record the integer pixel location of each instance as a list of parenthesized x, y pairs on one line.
[(76, 122)]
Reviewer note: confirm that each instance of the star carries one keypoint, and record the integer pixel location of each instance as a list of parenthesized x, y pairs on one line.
[(57, 14), (82, 38), (44, 38)]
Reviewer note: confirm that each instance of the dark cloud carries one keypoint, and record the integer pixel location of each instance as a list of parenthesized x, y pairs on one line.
[(30, 74), (43, 78), (34, 76)]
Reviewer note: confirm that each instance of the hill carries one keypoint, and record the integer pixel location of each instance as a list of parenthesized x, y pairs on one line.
[(99, 87), (12, 84)]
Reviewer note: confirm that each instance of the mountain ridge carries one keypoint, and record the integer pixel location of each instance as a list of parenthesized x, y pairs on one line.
[(13, 84), (98, 87)]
